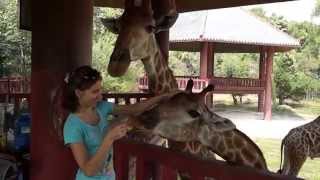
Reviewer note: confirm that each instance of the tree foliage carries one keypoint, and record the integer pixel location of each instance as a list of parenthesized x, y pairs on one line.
[(316, 11), (297, 71), (15, 44)]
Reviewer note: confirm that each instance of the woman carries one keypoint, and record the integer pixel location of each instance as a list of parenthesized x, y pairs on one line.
[(86, 130)]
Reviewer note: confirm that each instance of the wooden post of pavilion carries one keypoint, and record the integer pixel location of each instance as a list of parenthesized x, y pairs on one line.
[(61, 41), (268, 87), (206, 67), (262, 78)]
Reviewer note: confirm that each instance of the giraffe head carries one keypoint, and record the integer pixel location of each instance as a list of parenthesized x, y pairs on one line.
[(180, 115), (136, 30)]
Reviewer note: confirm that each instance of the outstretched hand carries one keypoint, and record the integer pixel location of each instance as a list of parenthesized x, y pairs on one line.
[(153, 101), (117, 131)]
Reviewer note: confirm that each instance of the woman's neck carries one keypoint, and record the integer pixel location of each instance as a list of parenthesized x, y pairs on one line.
[(88, 114)]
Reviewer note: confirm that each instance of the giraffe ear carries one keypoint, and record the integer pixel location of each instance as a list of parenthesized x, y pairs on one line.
[(164, 23), (189, 86), (111, 24)]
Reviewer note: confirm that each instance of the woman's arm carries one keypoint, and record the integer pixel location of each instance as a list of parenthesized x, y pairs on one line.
[(91, 165), (139, 107)]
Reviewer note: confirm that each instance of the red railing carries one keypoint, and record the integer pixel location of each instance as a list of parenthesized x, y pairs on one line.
[(170, 162), (14, 85), (14, 90), (222, 85)]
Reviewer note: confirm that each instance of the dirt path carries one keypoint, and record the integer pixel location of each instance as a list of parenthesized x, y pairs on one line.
[(251, 123)]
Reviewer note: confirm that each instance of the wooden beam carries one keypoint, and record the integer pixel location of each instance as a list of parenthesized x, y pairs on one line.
[(268, 88), (192, 5)]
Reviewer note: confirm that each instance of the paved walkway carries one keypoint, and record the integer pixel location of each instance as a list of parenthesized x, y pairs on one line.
[(252, 123)]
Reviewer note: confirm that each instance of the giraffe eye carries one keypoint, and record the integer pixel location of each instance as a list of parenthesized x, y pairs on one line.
[(193, 113)]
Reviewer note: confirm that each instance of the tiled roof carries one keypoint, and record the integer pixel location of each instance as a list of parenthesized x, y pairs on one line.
[(231, 30)]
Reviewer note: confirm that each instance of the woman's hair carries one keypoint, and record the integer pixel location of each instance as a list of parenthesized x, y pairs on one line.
[(81, 78)]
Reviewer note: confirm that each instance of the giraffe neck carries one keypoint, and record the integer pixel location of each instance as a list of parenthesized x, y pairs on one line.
[(236, 148), (160, 76)]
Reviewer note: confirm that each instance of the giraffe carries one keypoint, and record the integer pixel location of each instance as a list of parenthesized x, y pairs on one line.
[(136, 30), (301, 142), (184, 117)]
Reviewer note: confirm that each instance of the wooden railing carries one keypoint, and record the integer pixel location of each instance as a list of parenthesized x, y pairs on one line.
[(198, 84), (222, 84), (170, 162), (14, 85)]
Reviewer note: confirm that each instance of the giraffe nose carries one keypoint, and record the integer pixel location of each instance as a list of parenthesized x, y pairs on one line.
[(119, 62)]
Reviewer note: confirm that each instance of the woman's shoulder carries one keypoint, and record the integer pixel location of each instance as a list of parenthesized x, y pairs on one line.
[(105, 106), (104, 103), (72, 120)]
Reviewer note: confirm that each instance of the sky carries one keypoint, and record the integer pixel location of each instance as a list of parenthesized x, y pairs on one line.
[(299, 10)]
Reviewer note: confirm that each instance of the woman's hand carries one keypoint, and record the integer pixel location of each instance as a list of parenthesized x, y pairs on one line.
[(117, 131)]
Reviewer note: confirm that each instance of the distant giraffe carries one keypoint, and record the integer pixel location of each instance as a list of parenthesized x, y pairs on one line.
[(301, 142)]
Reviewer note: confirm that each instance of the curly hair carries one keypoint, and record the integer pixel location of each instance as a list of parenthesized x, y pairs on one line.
[(81, 78), (64, 99)]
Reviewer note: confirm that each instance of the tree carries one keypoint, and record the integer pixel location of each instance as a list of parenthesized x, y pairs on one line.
[(289, 82), (295, 70), (15, 44), (316, 11)]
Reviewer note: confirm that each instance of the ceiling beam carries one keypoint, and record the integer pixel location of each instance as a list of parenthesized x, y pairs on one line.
[(193, 5)]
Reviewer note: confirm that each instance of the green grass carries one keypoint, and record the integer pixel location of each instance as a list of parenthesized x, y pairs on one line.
[(271, 150), (307, 107)]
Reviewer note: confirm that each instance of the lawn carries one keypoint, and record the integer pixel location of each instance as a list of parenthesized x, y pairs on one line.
[(271, 151), (271, 147)]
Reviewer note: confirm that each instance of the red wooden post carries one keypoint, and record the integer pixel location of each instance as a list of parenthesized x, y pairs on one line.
[(206, 67), (121, 162), (168, 173), (206, 61), (268, 89), (61, 41), (141, 172), (262, 78)]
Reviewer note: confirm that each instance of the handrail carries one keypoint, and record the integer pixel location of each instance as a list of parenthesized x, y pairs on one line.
[(171, 161), (222, 84), (14, 85)]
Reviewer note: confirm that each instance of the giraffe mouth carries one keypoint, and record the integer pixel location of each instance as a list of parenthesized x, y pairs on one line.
[(119, 63)]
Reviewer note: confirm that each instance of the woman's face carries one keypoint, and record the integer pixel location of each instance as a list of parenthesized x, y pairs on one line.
[(91, 96)]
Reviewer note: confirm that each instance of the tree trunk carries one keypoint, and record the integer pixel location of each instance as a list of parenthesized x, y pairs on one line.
[(235, 101), (281, 100)]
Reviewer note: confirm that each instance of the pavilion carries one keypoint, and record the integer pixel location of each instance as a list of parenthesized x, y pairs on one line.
[(239, 31)]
